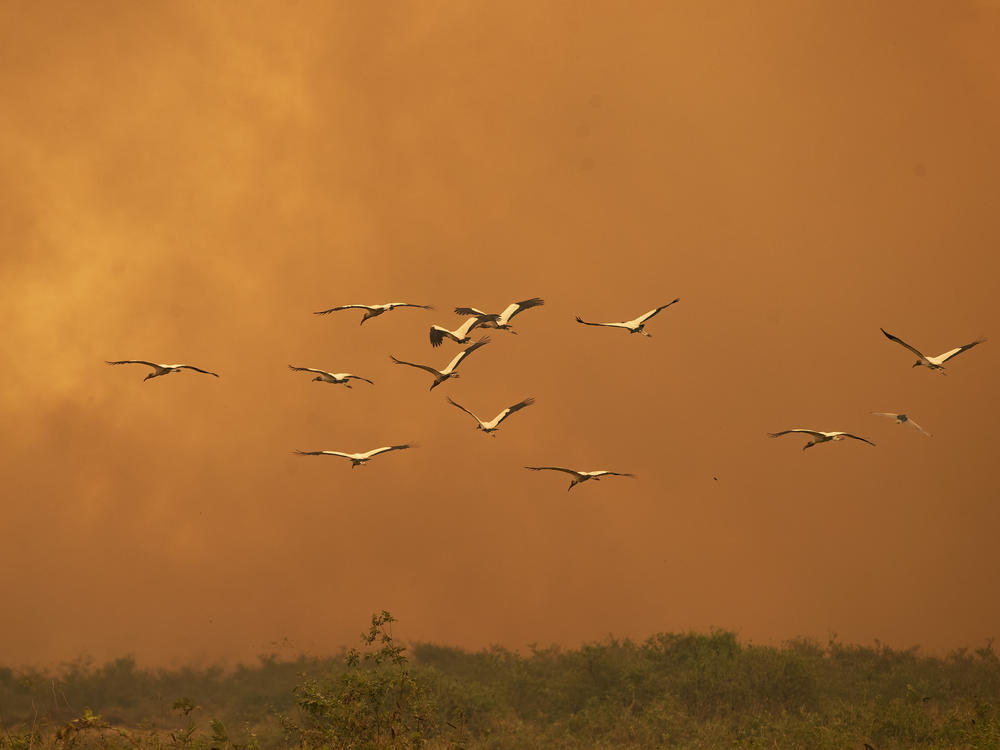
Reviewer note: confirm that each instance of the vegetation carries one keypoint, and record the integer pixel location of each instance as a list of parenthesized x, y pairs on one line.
[(672, 691)]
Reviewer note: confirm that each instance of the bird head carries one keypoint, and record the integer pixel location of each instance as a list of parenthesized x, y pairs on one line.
[(916, 364), (149, 376), (317, 378)]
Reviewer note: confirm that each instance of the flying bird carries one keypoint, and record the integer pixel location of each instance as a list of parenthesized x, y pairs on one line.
[(502, 321), (357, 459), (372, 311), (460, 334), (491, 427), (820, 437), (579, 476), (633, 326), (340, 378), (160, 369), (933, 363), (448, 372), (901, 419)]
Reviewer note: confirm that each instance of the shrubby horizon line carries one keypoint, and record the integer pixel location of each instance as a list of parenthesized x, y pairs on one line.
[(685, 690)]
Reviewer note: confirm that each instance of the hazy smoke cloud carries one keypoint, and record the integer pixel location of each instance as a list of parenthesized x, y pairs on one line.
[(188, 183)]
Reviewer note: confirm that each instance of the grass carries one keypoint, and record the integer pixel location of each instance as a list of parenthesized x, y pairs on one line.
[(685, 690)]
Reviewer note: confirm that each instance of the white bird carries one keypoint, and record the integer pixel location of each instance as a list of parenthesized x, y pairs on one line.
[(448, 372), (633, 326), (579, 476), (372, 311), (340, 378), (159, 369), (502, 321), (901, 419), (357, 459), (460, 334), (820, 437), (491, 427), (933, 363)]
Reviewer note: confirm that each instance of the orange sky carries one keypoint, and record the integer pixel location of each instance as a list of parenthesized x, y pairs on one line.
[(187, 182)]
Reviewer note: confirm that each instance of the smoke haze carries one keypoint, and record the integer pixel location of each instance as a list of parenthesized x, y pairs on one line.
[(188, 182)]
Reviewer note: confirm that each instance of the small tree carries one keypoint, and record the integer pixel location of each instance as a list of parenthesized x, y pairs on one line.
[(375, 702)]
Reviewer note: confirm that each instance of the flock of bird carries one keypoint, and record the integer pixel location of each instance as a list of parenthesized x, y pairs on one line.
[(475, 318), (932, 363)]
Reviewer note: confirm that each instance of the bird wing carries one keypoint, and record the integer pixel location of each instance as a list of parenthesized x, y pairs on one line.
[(453, 403), (941, 358), (344, 307), (815, 433), (651, 313), (132, 362), (855, 437), (431, 370), (468, 311), (910, 421), (386, 449), (347, 375), (312, 369), (511, 409), (610, 474), (437, 335), (391, 305), (519, 307), (463, 330), (902, 343), (324, 453), (555, 468), (885, 414), (196, 369), (612, 325), (465, 353)]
